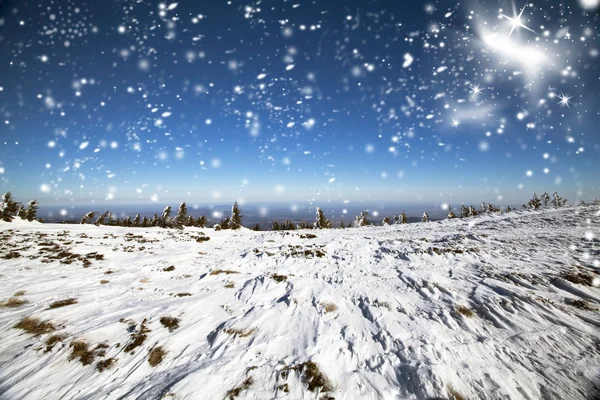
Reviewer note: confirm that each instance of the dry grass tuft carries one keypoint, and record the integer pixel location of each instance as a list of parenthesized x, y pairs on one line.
[(169, 268), (105, 364), (582, 304), (139, 337), (19, 293), (51, 341), (311, 375), (170, 323), (235, 392), (466, 311), (35, 326), (329, 307), (13, 302), (581, 278), (223, 271), (81, 351), (156, 355), (279, 278), (63, 303), (183, 294), (229, 285), (104, 282), (239, 332)]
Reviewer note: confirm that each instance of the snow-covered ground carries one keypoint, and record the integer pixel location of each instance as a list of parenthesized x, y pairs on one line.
[(500, 306)]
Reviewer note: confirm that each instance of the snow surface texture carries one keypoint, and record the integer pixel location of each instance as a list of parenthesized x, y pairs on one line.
[(498, 306)]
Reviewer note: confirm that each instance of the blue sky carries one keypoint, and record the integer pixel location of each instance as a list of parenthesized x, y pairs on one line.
[(210, 102)]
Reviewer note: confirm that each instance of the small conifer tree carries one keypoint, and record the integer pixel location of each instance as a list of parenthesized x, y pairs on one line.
[(182, 214), (88, 217), (321, 222), (201, 221), (235, 222), (136, 220), (535, 202), (451, 214), (32, 209), (425, 217), (403, 218), (362, 219)]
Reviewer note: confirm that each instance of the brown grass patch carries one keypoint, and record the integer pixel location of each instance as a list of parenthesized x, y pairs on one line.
[(279, 278), (229, 285), (51, 341), (582, 304), (239, 332), (581, 278), (169, 268), (35, 326), (311, 375), (183, 294), (156, 355), (62, 303), (139, 337), (19, 293), (105, 364), (466, 311), (81, 351), (13, 302), (223, 271), (170, 323), (235, 392), (329, 307), (104, 282)]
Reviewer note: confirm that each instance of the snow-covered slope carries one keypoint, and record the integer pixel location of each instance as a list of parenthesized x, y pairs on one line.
[(500, 306)]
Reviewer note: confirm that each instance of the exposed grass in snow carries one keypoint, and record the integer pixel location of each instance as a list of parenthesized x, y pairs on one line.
[(466, 311), (171, 323), (35, 326), (239, 332), (53, 340), (311, 376), (279, 278), (223, 271), (235, 392), (138, 338), (62, 303), (13, 302), (156, 356)]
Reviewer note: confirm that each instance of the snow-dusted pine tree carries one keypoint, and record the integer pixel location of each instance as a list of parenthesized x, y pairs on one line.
[(201, 221), (558, 201), (451, 214), (385, 222), (9, 207), (32, 209), (235, 222), (425, 217), (321, 222), (535, 202), (546, 199), (137, 220), (464, 211), (403, 218), (102, 219), (362, 219), (88, 217), (165, 218), (181, 214)]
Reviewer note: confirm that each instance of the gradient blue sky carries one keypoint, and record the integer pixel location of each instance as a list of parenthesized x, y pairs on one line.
[(306, 101)]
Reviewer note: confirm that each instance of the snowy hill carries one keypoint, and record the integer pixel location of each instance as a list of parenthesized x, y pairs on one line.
[(500, 306)]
